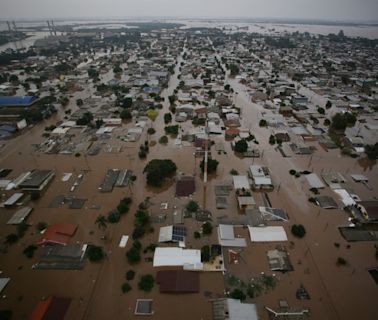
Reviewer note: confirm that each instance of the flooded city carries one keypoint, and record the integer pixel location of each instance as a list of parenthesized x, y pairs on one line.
[(188, 168)]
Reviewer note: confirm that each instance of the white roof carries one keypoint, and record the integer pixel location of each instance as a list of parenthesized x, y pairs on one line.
[(241, 182), (226, 231), (256, 171), (226, 237), (60, 130), (123, 241), (176, 257), (346, 198), (165, 234), (314, 181), (241, 311), (265, 234)]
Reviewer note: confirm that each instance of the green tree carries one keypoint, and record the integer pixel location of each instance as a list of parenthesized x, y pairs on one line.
[(212, 165), (29, 251), (205, 253), (114, 216), (157, 170), (272, 139), (127, 102), (241, 146), (238, 294), (298, 230), (372, 151), (163, 140), (79, 102), (138, 232), (133, 255), (207, 228), (151, 131), (95, 253), (130, 275), (192, 206), (126, 288), (263, 123), (167, 117), (101, 222), (146, 283), (125, 115)]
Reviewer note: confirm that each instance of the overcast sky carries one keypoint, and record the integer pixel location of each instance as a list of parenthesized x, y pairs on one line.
[(355, 10)]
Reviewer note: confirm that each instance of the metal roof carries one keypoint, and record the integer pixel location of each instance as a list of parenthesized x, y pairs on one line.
[(17, 100)]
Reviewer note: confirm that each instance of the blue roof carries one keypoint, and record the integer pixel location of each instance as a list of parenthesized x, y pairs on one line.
[(151, 89), (16, 100)]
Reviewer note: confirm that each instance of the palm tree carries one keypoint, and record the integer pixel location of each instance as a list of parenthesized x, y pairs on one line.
[(101, 222)]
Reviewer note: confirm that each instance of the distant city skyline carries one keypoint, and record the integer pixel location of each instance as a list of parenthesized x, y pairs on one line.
[(327, 10)]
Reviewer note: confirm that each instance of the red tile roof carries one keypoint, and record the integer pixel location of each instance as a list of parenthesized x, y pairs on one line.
[(53, 308), (59, 233)]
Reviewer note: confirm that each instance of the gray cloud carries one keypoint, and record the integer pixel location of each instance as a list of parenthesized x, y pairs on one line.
[(356, 10)]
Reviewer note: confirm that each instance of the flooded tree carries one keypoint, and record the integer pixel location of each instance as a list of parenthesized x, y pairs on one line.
[(157, 170), (95, 253), (146, 283), (298, 230), (241, 146), (101, 222)]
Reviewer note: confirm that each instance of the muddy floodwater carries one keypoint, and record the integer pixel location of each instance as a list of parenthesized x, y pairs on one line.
[(336, 292)]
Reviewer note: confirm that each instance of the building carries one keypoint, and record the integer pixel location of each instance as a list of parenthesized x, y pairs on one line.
[(172, 234), (232, 309), (260, 177), (59, 233), (51, 308), (11, 107), (178, 281), (37, 180)]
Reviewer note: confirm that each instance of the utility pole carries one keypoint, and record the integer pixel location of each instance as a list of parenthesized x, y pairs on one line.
[(48, 25), (53, 27)]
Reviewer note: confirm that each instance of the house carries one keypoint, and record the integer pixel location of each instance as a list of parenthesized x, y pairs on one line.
[(279, 260), (178, 281), (189, 258), (260, 177), (172, 234), (232, 309), (369, 210), (37, 180), (59, 233), (51, 308), (226, 237), (241, 182), (185, 186)]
